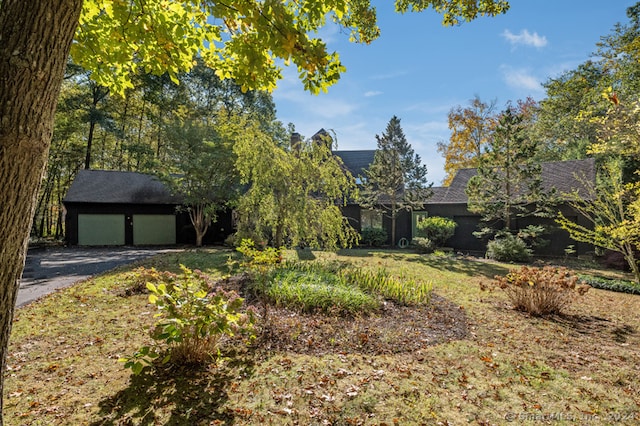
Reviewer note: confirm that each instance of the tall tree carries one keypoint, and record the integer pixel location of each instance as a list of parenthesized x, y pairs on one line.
[(157, 36), (397, 179), (293, 193), (201, 169), (471, 129), (508, 181)]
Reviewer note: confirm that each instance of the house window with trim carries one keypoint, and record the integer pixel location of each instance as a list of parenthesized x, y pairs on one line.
[(370, 219)]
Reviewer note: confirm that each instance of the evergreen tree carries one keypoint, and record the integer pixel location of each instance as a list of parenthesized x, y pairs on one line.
[(397, 179), (508, 182)]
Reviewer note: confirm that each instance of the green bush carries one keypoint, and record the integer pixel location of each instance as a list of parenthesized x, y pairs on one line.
[(267, 256), (508, 248), (437, 229), (192, 321), (621, 286), (539, 291), (374, 237), (423, 245)]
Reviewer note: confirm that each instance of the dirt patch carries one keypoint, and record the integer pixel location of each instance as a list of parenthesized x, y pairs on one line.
[(395, 329)]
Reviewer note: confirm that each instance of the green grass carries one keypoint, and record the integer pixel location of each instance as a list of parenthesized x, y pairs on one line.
[(581, 367)]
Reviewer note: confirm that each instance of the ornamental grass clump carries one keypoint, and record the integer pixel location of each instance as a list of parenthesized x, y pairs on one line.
[(540, 291)]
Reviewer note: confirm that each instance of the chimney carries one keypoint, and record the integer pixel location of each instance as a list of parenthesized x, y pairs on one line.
[(296, 140)]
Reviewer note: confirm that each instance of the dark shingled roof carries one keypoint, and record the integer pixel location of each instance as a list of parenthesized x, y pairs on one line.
[(356, 161), (106, 186), (565, 176)]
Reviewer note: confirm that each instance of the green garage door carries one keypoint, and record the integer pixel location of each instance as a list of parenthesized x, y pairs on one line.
[(154, 229), (101, 229)]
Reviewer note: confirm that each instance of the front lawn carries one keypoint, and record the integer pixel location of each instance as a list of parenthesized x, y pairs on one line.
[(466, 357)]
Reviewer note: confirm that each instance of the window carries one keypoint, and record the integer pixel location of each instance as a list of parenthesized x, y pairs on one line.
[(370, 219)]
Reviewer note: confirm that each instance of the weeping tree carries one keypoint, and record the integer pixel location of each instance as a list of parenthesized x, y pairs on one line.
[(293, 194)]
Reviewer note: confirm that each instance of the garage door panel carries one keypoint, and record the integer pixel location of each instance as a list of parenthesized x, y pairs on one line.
[(101, 230), (154, 229)]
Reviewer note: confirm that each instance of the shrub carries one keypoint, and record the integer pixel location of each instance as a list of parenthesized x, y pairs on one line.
[(374, 237), (532, 236), (193, 321), (423, 245), (540, 291), (508, 248), (437, 229), (267, 256), (136, 280)]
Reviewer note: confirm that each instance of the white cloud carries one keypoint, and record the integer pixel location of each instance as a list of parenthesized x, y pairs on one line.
[(525, 38), (521, 79), (371, 93), (390, 76)]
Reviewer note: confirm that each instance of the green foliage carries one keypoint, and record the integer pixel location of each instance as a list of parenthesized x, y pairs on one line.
[(338, 288), (613, 208), (540, 291), (263, 256), (423, 244), (532, 236), (437, 229), (397, 179), (401, 289), (193, 320), (508, 182), (318, 290), (292, 193), (621, 286), (508, 248), (242, 40), (374, 237)]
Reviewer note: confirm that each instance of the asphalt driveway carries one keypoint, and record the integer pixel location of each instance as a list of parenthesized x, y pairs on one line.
[(49, 269)]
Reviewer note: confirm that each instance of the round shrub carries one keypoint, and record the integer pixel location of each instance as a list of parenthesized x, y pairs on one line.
[(437, 229), (508, 248), (374, 237)]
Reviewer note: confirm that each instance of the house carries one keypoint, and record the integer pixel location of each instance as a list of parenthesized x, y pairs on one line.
[(564, 176), (357, 162), (451, 202), (111, 208)]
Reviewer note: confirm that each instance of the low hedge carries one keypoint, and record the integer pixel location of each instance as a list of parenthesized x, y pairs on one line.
[(620, 286)]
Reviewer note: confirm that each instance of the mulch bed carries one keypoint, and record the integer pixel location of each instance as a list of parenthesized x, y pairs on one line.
[(394, 329)]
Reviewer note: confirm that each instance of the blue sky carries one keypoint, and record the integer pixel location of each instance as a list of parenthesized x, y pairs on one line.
[(418, 70)]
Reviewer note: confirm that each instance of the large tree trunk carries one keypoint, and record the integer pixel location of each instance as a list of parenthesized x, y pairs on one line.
[(35, 38)]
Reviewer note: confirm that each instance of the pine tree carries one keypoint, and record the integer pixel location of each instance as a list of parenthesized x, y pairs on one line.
[(397, 179), (508, 182)]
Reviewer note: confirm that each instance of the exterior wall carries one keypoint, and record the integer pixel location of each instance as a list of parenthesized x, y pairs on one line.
[(464, 241)]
